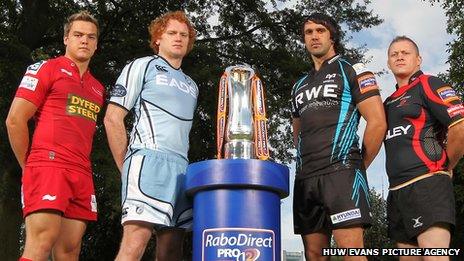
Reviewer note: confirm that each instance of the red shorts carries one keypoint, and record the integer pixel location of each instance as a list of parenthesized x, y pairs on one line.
[(68, 191)]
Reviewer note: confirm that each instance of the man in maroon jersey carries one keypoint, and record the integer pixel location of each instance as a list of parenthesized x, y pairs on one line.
[(423, 144), (57, 188)]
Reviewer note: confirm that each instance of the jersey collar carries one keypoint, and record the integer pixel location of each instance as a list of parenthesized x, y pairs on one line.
[(411, 79), (331, 60), (412, 82), (72, 66), (325, 63), (166, 61)]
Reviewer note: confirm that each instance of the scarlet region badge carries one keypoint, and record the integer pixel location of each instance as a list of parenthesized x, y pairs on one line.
[(238, 244)]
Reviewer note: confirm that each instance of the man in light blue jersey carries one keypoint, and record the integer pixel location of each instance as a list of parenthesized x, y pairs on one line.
[(154, 159)]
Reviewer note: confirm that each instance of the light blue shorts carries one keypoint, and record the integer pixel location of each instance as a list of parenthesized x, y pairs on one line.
[(153, 189)]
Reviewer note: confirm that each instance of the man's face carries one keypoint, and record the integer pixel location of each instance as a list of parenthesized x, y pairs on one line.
[(317, 39), (81, 41), (173, 43), (403, 59)]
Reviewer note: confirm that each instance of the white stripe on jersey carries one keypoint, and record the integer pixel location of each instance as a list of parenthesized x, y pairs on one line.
[(164, 100)]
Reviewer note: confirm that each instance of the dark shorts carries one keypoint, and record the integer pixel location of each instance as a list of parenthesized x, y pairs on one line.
[(331, 201), (415, 208)]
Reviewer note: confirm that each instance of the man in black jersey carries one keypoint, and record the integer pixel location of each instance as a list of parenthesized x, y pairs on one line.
[(331, 191), (423, 145)]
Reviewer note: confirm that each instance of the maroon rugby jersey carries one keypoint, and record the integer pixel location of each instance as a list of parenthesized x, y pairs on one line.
[(418, 117), (67, 109)]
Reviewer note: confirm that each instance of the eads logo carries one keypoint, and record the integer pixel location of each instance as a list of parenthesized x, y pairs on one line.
[(238, 244)]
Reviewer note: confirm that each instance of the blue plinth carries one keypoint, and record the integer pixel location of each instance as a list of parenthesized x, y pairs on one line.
[(236, 209)]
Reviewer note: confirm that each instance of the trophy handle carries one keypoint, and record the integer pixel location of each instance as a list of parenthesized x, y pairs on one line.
[(260, 128), (221, 114)]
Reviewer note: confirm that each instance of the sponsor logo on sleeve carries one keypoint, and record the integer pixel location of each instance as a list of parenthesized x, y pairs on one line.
[(455, 110), (29, 83), (33, 69), (360, 68), (367, 83), (447, 94), (118, 91), (82, 107)]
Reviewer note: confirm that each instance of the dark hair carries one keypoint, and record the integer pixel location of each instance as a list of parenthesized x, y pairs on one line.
[(80, 16), (329, 23), (403, 38)]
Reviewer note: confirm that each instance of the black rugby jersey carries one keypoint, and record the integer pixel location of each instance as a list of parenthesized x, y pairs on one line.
[(325, 102), (418, 116)]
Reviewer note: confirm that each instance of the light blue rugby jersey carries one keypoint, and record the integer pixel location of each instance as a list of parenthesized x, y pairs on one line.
[(163, 99)]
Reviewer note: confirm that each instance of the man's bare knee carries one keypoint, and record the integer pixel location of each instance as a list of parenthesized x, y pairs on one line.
[(67, 252), (134, 240), (350, 237), (134, 248)]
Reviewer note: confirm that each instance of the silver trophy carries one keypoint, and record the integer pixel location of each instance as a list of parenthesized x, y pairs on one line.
[(242, 124)]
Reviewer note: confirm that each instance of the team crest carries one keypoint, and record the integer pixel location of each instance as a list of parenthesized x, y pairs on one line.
[(34, 68), (118, 91)]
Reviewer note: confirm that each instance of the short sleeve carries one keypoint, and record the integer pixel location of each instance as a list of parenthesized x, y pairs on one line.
[(35, 83), (129, 84), (363, 82), (442, 101)]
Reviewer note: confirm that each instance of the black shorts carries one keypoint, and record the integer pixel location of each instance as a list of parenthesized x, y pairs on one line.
[(415, 208), (331, 201)]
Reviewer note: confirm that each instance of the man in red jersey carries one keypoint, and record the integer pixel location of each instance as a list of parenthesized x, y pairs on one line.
[(57, 188), (423, 144)]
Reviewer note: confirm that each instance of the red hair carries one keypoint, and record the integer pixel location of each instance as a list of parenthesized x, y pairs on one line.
[(158, 26)]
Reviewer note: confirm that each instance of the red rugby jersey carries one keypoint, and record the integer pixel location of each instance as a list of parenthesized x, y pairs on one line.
[(67, 109)]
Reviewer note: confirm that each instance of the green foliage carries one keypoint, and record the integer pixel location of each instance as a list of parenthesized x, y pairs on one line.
[(458, 235), (455, 25), (376, 236), (256, 32)]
